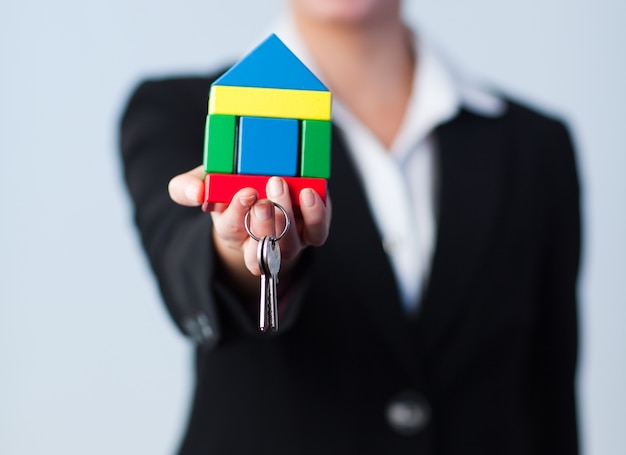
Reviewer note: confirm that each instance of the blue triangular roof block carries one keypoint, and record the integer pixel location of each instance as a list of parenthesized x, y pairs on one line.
[(271, 65)]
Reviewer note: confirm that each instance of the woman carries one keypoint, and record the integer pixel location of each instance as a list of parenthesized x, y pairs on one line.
[(435, 314)]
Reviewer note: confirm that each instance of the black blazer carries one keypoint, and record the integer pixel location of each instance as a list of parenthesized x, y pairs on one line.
[(488, 365)]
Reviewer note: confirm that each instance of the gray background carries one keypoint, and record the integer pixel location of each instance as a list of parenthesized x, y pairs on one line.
[(89, 361)]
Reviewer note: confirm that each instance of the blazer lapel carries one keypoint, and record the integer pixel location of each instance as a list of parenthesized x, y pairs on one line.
[(355, 235), (472, 165), (472, 175)]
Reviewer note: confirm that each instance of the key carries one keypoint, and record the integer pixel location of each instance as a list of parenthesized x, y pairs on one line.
[(269, 259), (272, 259), (264, 307)]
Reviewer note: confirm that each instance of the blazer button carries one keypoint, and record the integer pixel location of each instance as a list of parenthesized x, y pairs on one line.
[(199, 329), (408, 413)]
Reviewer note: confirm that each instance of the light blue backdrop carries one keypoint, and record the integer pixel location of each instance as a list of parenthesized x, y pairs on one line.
[(89, 361)]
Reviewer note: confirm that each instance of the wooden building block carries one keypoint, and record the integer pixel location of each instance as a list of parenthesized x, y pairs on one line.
[(222, 187), (271, 65), (315, 149), (219, 143), (270, 102), (267, 146)]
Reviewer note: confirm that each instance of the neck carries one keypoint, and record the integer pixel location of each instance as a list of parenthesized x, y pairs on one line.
[(368, 67)]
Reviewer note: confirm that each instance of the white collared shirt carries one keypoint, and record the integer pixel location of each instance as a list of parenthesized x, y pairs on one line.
[(400, 182)]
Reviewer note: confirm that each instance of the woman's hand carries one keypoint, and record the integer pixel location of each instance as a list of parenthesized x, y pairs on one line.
[(310, 221)]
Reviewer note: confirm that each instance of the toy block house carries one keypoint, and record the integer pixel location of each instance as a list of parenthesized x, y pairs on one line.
[(268, 115)]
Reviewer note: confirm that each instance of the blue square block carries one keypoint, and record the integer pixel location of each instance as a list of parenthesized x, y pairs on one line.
[(268, 146)]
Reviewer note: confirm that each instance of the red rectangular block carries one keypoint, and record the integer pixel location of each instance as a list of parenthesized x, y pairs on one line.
[(222, 187)]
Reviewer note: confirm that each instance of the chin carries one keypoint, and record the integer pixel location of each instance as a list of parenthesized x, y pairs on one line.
[(346, 11)]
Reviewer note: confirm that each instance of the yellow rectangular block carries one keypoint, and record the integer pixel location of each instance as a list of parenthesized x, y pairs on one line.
[(270, 102)]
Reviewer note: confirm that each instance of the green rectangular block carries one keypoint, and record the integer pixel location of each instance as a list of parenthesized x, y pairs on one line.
[(219, 143), (315, 149)]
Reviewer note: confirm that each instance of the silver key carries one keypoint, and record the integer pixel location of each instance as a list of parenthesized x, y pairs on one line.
[(269, 259), (264, 310), (272, 259)]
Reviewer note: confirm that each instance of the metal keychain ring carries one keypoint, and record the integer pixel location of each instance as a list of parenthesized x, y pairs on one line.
[(246, 223)]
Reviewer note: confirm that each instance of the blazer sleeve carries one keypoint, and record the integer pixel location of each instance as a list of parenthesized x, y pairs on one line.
[(556, 341), (161, 135)]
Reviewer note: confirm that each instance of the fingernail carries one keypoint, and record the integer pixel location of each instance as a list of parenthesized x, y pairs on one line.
[(191, 193), (247, 201), (263, 211), (307, 198), (275, 187)]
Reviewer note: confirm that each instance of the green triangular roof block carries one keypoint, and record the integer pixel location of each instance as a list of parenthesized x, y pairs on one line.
[(271, 65)]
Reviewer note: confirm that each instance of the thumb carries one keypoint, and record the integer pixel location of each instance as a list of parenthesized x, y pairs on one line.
[(188, 188)]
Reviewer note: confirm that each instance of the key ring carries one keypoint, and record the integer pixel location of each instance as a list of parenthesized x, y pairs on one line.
[(246, 223)]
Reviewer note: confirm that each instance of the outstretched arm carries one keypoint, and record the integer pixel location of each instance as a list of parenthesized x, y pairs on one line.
[(204, 264)]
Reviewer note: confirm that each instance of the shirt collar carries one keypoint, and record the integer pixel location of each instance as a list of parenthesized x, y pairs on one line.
[(439, 91)]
